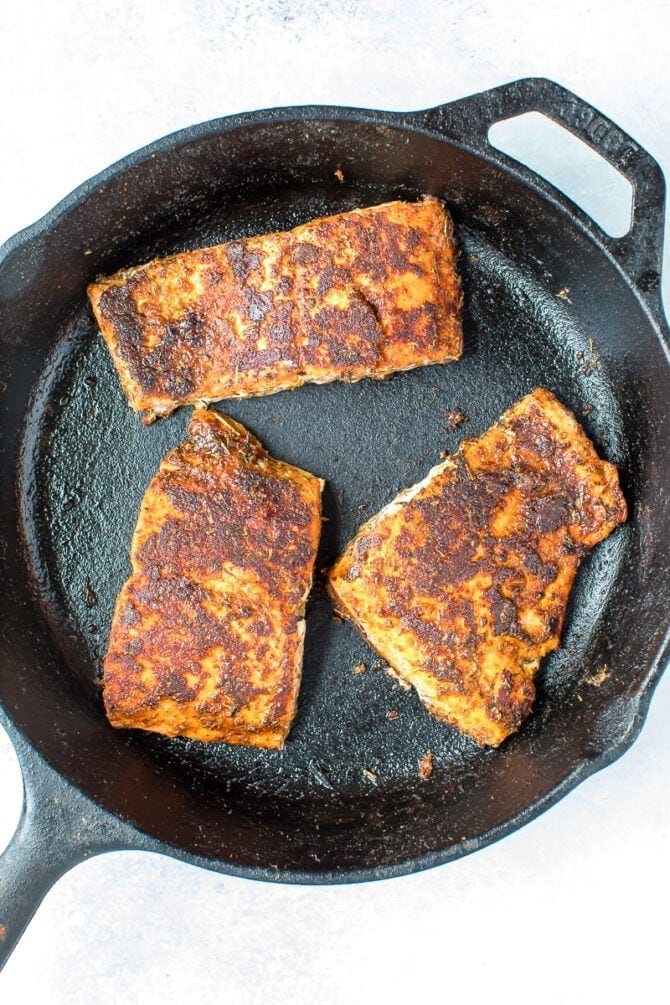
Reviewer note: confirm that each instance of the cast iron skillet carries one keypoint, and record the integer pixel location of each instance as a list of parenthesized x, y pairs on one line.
[(74, 462)]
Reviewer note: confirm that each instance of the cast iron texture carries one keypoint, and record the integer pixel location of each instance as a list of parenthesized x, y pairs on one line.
[(549, 299)]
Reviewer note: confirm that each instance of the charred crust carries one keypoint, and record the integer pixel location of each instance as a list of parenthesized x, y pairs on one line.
[(332, 300), (206, 638), (469, 577)]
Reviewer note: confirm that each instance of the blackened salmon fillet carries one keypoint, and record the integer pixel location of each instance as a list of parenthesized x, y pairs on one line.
[(362, 294)]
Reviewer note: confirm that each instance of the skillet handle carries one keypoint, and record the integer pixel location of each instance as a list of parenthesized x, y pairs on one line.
[(59, 827), (640, 251)]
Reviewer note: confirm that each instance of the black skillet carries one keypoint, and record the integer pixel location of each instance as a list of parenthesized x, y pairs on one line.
[(343, 801)]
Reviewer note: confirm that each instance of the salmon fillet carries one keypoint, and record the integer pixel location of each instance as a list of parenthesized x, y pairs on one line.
[(207, 635), (361, 294), (461, 583)]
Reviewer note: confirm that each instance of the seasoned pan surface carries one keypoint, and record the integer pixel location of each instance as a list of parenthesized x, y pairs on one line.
[(546, 303), (91, 462)]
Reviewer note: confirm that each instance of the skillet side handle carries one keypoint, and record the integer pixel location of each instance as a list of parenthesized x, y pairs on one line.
[(59, 827), (640, 251)]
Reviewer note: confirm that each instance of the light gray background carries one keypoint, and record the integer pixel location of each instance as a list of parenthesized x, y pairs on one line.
[(566, 910)]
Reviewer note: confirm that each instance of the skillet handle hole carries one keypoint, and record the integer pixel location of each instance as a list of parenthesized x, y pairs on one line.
[(570, 165), (11, 790)]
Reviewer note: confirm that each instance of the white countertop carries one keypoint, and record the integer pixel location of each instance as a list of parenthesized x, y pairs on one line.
[(568, 908)]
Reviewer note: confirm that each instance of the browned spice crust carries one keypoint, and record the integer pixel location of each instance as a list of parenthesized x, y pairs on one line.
[(462, 582), (208, 631), (361, 294)]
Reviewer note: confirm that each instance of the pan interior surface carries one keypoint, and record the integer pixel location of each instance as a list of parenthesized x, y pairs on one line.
[(345, 792)]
